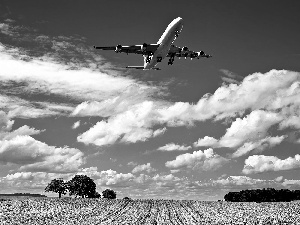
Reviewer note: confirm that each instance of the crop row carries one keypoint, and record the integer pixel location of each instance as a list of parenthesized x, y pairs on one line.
[(104, 211)]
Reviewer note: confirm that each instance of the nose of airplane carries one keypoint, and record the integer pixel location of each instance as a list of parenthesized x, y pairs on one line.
[(179, 21)]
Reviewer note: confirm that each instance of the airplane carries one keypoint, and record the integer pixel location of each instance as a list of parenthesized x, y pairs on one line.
[(155, 53)]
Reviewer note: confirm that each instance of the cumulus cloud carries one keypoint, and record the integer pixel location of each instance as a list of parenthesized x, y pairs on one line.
[(145, 167), (198, 160), (6, 132), (291, 183), (238, 181), (272, 98), (258, 146), (130, 126), (34, 155), (206, 141), (174, 147), (247, 134), (169, 177), (279, 179), (251, 128), (76, 125), (262, 163), (19, 148)]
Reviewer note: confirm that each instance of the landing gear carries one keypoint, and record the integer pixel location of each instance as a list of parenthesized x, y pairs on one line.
[(159, 59), (171, 60), (148, 59)]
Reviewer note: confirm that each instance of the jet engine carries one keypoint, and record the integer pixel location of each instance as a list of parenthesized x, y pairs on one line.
[(118, 48), (200, 54), (144, 47), (184, 50)]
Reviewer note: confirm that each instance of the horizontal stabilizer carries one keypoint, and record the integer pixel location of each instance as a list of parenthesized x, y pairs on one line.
[(135, 67)]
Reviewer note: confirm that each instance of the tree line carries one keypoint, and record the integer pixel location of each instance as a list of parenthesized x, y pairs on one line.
[(80, 186), (263, 195)]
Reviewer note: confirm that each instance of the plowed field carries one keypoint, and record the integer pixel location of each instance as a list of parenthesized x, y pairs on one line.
[(103, 211)]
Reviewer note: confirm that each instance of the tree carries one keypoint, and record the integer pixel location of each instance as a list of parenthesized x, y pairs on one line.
[(82, 185), (126, 198), (57, 186), (110, 194), (95, 195)]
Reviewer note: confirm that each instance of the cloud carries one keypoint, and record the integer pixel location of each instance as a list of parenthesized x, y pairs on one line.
[(291, 184), (19, 108), (238, 181), (251, 128), (174, 147), (131, 126), (198, 160), (262, 163), (145, 167), (132, 164), (6, 132), (271, 97), (142, 186), (17, 147), (206, 141), (107, 177), (131, 95), (258, 146), (33, 155), (45, 77), (66, 69), (76, 125), (231, 77), (279, 179)]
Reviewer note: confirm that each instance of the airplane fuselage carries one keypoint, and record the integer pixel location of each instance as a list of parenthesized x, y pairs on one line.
[(165, 42)]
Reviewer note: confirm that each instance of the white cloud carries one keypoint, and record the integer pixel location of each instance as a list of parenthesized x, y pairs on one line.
[(262, 163), (24, 130), (33, 155), (49, 77), (159, 132), (251, 128), (238, 181), (169, 177), (279, 179), (291, 183), (145, 167), (6, 132), (258, 146), (76, 125), (174, 147), (230, 77), (198, 160), (131, 126), (206, 141), (132, 163), (260, 93), (107, 177)]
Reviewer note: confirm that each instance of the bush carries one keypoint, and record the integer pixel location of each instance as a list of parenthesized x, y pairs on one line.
[(110, 194)]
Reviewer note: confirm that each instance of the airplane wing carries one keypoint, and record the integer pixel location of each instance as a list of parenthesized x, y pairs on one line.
[(141, 68), (185, 52), (145, 49)]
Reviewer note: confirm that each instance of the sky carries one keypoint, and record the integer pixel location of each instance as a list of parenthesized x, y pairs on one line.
[(195, 130)]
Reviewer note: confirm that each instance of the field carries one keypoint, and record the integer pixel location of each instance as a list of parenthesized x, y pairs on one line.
[(103, 211)]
